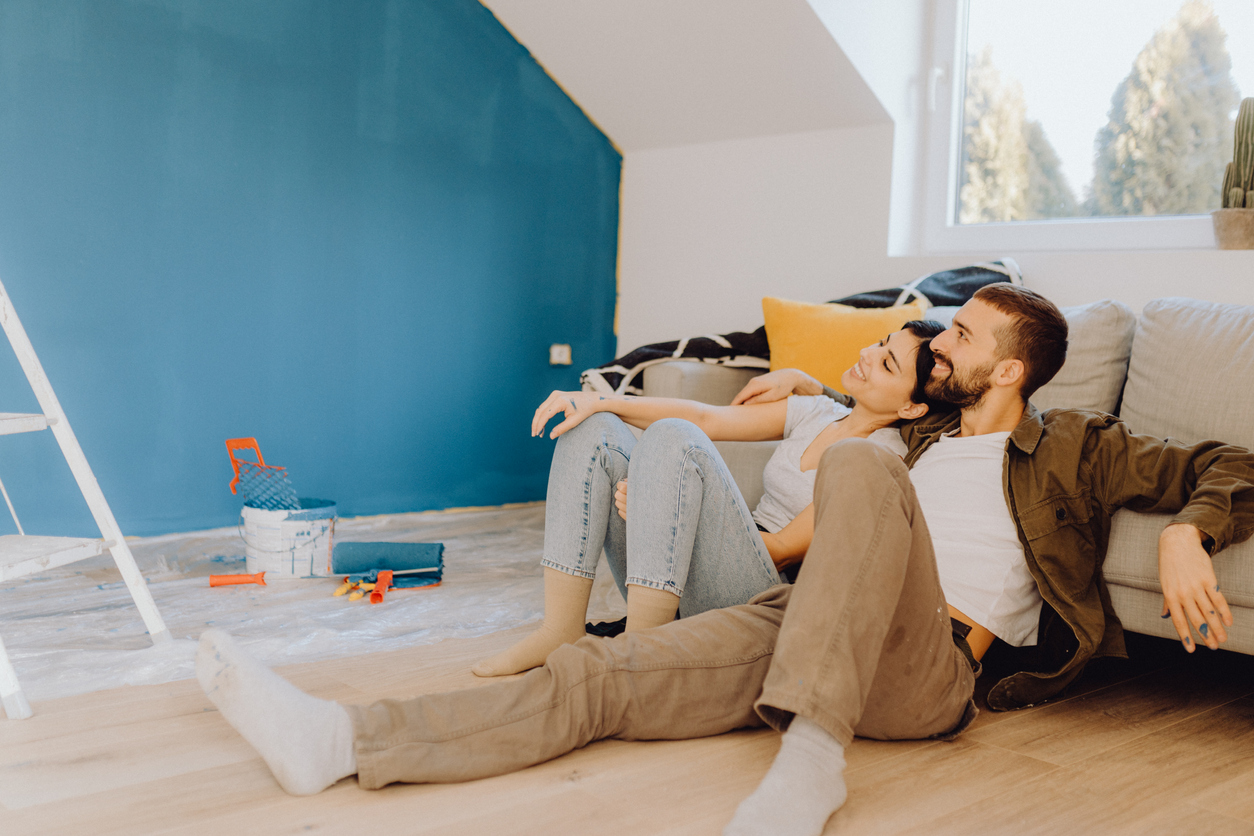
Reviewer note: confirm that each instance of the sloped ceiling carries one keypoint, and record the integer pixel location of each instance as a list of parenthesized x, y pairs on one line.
[(663, 73)]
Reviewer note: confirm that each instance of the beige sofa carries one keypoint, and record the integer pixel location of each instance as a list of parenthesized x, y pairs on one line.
[(1183, 369)]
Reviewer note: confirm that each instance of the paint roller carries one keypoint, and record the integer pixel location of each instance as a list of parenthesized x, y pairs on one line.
[(411, 564), (395, 565)]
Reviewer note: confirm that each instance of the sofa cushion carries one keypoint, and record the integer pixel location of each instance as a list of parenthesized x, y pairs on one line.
[(1187, 379), (1132, 559), (1099, 340), (1189, 375), (824, 340)]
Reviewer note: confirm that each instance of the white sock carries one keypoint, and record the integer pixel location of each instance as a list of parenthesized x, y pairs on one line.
[(801, 790), (306, 742)]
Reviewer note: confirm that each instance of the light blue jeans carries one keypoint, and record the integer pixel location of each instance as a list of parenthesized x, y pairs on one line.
[(688, 530)]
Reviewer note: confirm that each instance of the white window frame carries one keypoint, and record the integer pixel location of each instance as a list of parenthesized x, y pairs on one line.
[(942, 233)]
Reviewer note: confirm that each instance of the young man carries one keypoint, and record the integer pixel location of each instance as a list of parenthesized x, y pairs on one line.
[(864, 642)]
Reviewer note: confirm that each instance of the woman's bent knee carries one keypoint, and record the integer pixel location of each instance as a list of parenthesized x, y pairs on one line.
[(594, 430), (674, 434)]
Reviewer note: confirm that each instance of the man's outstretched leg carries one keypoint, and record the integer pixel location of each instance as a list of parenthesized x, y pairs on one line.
[(866, 646), (306, 742), (649, 685)]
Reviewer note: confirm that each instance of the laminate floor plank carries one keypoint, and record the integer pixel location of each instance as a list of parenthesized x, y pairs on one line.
[(1061, 803), (173, 801), (1233, 797), (864, 752), (1173, 821), (718, 773), (1159, 745), (116, 707), (1067, 732), (902, 793), (1179, 762), (608, 787), (109, 758)]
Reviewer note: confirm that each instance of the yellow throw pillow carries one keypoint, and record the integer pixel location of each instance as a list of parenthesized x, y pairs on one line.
[(824, 340)]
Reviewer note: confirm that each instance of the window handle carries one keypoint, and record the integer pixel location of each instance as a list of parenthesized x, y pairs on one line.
[(933, 81)]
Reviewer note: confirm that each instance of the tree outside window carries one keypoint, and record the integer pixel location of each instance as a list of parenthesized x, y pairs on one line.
[(1161, 149)]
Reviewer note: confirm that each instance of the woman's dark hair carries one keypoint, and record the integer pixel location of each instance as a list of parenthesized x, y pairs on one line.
[(925, 330)]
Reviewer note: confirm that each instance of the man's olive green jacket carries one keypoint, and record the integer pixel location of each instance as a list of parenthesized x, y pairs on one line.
[(1066, 473)]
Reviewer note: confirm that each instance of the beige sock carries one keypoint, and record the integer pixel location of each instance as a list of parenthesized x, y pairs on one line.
[(648, 607), (565, 609)]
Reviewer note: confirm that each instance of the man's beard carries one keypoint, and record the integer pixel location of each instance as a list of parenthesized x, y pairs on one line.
[(963, 390)]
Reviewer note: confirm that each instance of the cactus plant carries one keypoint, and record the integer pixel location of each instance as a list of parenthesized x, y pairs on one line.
[(1238, 186)]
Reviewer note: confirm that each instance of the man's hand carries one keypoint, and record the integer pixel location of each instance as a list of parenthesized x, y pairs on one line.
[(1191, 594), (777, 385), (576, 405)]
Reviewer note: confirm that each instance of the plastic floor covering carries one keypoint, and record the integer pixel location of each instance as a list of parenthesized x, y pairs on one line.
[(75, 629)]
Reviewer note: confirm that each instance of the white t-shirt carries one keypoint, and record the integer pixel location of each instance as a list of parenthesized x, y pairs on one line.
[(788, 490), (978, 553)]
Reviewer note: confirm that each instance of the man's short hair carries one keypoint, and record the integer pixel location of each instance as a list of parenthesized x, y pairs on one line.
[(1036, 335)]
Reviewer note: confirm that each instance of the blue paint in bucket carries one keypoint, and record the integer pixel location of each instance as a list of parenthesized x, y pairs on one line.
[(313, 509)]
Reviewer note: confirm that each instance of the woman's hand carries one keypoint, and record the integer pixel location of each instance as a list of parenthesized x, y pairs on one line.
[(789, 545), (777, 385), (620, 498), (576, 405)]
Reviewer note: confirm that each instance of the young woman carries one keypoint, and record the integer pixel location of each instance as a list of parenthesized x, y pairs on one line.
[(683, 541)]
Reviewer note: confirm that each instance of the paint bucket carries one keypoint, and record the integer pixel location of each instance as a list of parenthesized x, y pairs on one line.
[(295, 543)]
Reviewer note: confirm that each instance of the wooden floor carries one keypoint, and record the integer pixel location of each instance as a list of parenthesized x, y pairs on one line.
[(1163, 743)]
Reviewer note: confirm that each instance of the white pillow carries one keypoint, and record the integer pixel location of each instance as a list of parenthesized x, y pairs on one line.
[(944, 314), (1191, 371)]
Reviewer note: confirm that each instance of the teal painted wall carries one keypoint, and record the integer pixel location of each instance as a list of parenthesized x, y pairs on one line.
[(348, 229)]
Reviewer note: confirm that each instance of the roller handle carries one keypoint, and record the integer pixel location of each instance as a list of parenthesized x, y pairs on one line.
[(231, 580), (380, 586)]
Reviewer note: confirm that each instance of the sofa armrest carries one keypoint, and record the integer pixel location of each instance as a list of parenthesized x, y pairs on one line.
[(746, 460), (696, 381)]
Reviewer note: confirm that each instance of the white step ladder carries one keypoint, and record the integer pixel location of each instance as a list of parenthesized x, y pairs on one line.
[(23, 554)]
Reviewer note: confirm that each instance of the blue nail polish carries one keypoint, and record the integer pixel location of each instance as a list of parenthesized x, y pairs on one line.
[(1187, 641), (1165, 615), (1203, 629)]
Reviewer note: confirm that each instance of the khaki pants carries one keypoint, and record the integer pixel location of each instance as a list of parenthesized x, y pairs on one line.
[(862, 644)]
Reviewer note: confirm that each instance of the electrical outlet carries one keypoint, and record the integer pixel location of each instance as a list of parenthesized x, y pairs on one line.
[(559, 354)]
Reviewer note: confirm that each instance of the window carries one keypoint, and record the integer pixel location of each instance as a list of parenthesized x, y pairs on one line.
[(1083, 124)]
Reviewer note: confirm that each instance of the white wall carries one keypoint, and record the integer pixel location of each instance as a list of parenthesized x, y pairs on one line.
[(887, 41), (762, 143), (708, 230), (663, 73), (1138, 277)]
